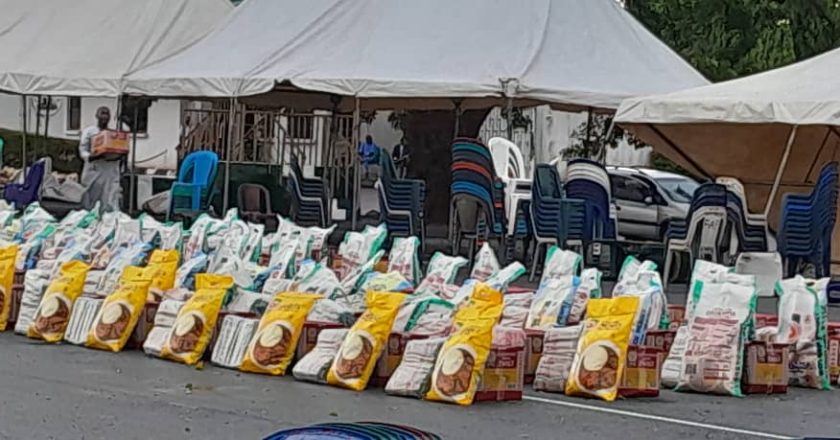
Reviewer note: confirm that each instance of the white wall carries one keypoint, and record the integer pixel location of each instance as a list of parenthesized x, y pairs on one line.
[(159, 142)]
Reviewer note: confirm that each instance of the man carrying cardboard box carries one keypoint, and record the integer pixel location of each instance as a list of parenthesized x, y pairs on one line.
[(100, 175)]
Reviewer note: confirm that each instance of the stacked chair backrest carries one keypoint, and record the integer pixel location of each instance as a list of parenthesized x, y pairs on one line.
[(808, 221), (588, 181), (401, 200), (507, 158), (474, 177)]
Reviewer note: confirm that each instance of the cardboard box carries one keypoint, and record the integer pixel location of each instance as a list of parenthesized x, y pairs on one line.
[(766, 320), (765, 368), (391, 356), (676, 315), (641, 373), (109, 143), (144, 326), (533, 353), (504, 376), (661, 339), (309, 336), (834, 356), (14, 305)]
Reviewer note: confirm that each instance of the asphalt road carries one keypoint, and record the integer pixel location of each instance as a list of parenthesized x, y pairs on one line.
[(67, 392)]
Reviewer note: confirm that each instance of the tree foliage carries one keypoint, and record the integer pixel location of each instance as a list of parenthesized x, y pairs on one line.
[(726, 39)]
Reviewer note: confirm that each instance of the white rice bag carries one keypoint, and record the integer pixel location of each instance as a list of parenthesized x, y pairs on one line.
[(404, 258), (590, 287), (235, 334), (81, 319), (713, 357), (35, 284), (442, 270), (559, 347), (314, 366), (803, 323), (486, 263), (560, 263), (413, 376), (547, 306)]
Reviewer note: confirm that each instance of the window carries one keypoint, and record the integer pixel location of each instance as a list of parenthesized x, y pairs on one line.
[(300, 127), (680, 190), (129, 104), (628, 188), (74, 114)]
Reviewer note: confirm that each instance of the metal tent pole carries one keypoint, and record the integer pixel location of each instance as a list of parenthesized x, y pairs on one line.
[(780, 171), (510, 118), (46, 137), (357, 183), (228, 148), (25, 128), (132, 185), (458, 112)]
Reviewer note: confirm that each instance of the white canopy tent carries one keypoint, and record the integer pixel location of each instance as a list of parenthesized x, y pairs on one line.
[(86, 47), (773, 131), (588, 54)]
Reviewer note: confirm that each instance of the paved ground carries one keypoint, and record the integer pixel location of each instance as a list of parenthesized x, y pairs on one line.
[(67, 392)]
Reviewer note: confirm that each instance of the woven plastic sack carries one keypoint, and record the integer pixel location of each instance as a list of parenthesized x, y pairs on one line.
[(486, 263)]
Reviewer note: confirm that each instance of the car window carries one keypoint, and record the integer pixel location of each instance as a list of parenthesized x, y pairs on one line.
[(628, 188), (677, 189)]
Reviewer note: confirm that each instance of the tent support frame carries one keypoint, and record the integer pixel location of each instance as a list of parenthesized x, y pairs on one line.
[(781, 170), (25, 128), (679, 150), (357, 182), (228, 149)]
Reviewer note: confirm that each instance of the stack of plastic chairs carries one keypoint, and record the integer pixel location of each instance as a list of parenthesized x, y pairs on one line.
[(310, 204), (751, 236), (807, 223), (192, 192), (554, 219), (588, 180), (401, 201), (254, 202), (476, 195), (700, 235), (22, 194), (510, 167), (755, 234)]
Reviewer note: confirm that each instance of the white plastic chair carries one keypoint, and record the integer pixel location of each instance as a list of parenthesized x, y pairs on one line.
[(704, 233), (759, 220), (510, 167)]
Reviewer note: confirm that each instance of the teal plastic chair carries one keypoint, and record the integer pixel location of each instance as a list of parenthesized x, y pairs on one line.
[(192, 192)]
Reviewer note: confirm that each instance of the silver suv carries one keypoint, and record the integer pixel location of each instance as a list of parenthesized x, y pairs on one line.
[(647, 200)]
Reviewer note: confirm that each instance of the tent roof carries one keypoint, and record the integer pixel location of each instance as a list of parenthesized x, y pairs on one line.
[(805, 93), (566, 52), (85, 47)]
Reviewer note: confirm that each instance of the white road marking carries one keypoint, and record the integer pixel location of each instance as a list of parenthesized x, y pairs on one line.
[(656, 418)]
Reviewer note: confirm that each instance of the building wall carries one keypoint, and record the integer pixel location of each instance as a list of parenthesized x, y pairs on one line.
[(155, 149)]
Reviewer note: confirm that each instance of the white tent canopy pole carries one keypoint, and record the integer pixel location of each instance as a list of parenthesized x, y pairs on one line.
[(780, 171)]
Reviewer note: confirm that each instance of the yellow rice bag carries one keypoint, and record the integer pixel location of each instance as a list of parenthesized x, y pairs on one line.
[(602, 351), (460, 362), (119, 313), (194, 326), (52, 315), (161, 269), (357, 356), (484, 301), (273, 345), (8, 255), (213, 281)]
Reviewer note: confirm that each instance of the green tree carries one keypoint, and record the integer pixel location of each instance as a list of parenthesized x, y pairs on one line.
[(725, 39)]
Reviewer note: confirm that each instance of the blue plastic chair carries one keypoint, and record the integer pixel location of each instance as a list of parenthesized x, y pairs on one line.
[(192, 192), (22, 194)]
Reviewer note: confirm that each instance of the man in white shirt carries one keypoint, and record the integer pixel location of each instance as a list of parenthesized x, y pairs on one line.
[(101, 177)]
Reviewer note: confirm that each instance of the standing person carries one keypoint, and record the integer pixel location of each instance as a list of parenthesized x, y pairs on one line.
[(100, 177), (401, 157), (368, 154)]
